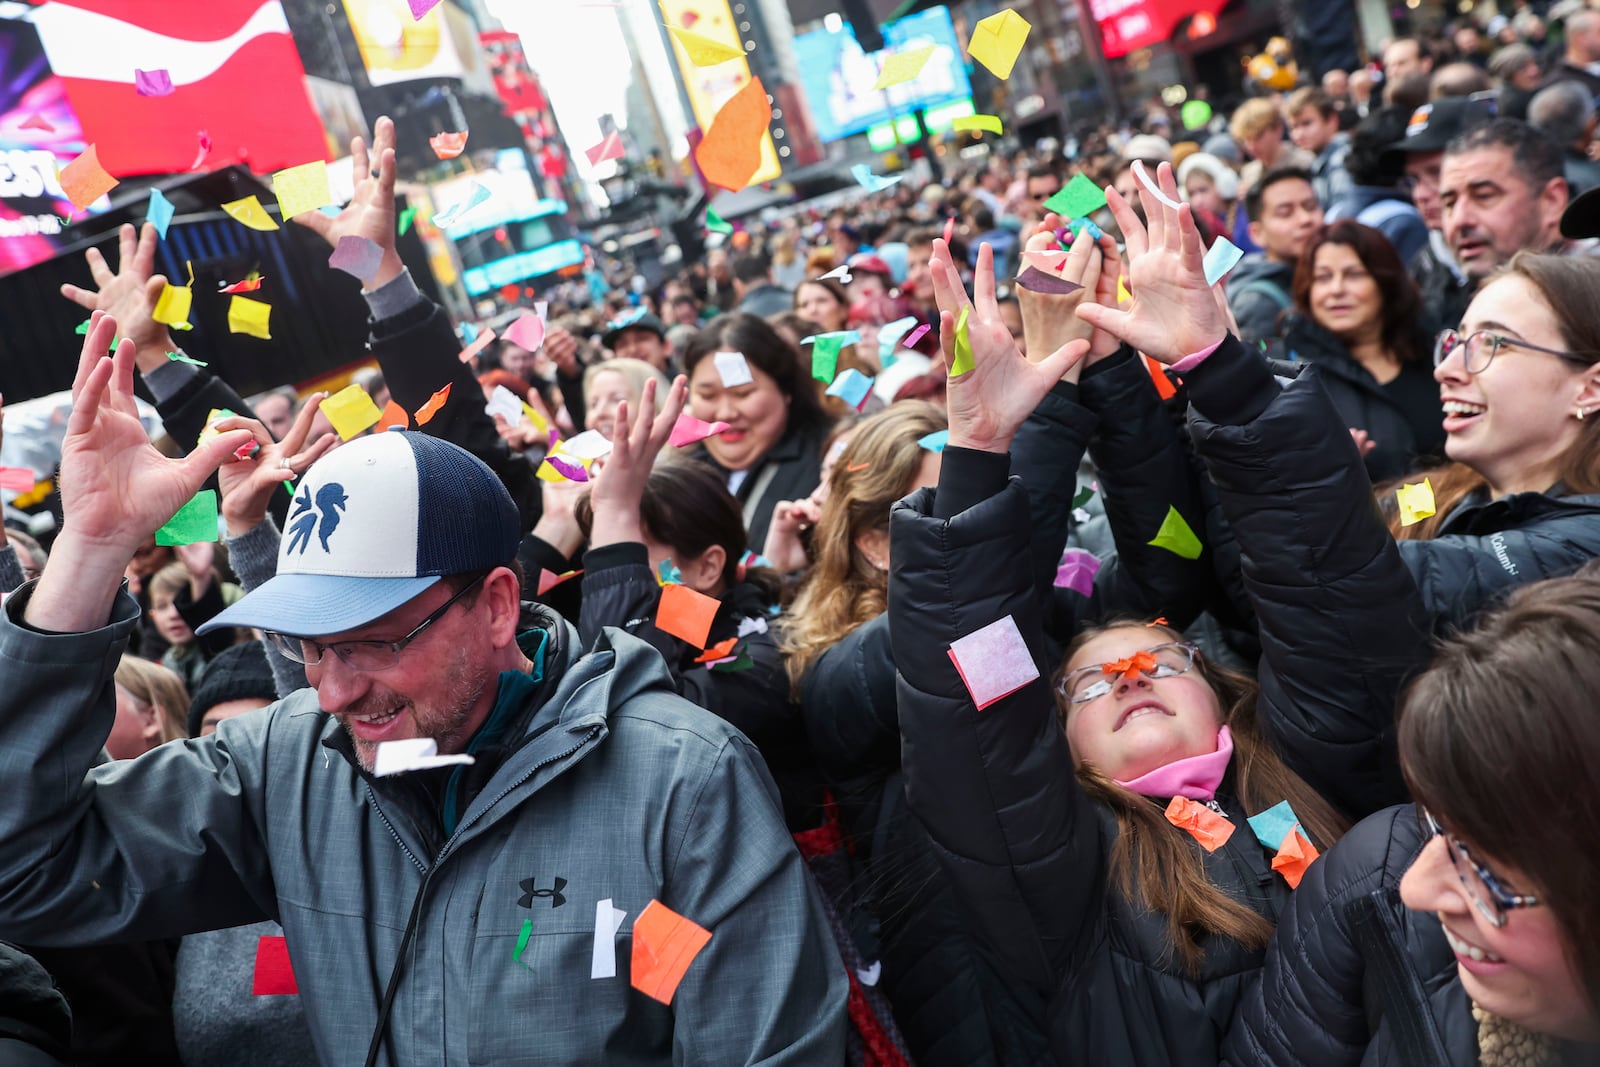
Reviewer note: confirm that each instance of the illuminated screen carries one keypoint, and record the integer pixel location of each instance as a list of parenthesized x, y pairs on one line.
[(838, 76)]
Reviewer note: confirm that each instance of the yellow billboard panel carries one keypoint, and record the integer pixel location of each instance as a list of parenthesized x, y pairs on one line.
[(710, 87)]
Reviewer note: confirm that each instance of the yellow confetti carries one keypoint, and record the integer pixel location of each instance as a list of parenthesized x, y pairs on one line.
[(250, 212), (1416, 502), (172, 308), (903, 67), (703, 51), (250, 316), (978, 122), (302, 189), (351, 411), (997, 41)]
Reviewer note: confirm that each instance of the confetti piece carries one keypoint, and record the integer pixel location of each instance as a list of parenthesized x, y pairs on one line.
[(664, 945), (351, 411), (730, 152), (1176, 537), (720, 651), (17, 479), (688, 429), (435, 402), (703, 51), (195, 522), (949, 228), (889, 335), (478, 346), (1293, 858), (420, 8), (825, 348), (1124, 294), (903, 67), (412, 754), (549, 579), (505, 403), (152, 82), (588, 445), (159, 213), (962, 361), (934, 442), (452, 214), (609, 148), (1203, 824), (568, 470), (203, 151), (303, 189), (173, 305), (407, 217), (607, 921), (1273, 826), (209, 430), (1158, 374), (1046, 260), (84, 180), (1037, 281), (978, 122), (37, 121), (997, 41), (248, 285), (1085, 494), (1079, 198), (918, 334), (993, 662), (250, 317), (732, 369), (841, 272), (1150, 183), (250, 212), (716, 223), (357, 256), (686, 614), (1077, 571), (667, 573), (1221, 257), (448, 145), (274, 977), (872, 182), (393, 415), (852, 387), (527, 332), (1416, 502)]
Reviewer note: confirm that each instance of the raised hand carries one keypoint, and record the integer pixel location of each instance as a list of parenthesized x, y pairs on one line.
[(988, 403), (619, 487), (1048, 321), (116, 489), (1173, 312), (129, 293), (370, 213), (784, 547), (247, 484)]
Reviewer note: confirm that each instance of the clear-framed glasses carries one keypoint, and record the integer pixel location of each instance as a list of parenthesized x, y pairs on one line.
[(1098, 679), (1481, 346), (369, 656), (1486, 892)]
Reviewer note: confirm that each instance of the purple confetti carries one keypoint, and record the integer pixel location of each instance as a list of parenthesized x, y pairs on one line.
[(1035, 280), (152, 82), (358, 256), (572, 472), (917, 335)]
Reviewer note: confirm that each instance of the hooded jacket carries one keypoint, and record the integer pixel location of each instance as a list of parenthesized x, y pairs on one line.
[(595, 782)]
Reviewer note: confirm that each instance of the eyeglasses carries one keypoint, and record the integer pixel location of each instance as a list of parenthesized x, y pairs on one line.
[(362, 655), (1481, 346), (1098, 679), (1485, 891)]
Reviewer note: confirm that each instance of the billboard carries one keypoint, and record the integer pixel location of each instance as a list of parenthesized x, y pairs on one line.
[(709, 88), (1127, 25), (395, 47), (838, 76), (236, 75)]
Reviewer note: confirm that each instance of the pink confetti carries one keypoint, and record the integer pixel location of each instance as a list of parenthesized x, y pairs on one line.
[(527, 332), (152, 82), (1077, 571), (420, 8), (610, 148), (205, 150), (689, 429), (994, 662), (17, 479), (477, 346), (357, 256), (916, 335)]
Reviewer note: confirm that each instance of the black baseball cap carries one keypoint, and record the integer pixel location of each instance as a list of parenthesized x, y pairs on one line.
[(1582, 217), (1433, 126), (636, 319)]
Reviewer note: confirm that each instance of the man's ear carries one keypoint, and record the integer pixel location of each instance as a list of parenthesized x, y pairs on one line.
[(500, 591)]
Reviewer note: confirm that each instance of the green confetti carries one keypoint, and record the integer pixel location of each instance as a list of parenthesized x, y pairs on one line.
[(522, 941), (179, 357), (406, 218), (1085, 495), (195, 522), (1176, 537), (978, 122), (82, 329), (715, 223), (962, 363), (825, 356), (742, 663), (1078, 199)]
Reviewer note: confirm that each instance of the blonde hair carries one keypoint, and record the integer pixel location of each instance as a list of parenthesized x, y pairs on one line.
[(844, 590), (162, 689), (169, 580), (1253, 117), (634, 373)]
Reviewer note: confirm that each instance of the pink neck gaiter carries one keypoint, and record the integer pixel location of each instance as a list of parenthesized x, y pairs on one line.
[(1195, 777)]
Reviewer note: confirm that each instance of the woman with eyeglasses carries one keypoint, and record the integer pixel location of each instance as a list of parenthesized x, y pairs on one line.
[(1461, 931)]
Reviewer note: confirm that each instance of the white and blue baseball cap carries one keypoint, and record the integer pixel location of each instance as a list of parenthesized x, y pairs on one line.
[(374, 524)]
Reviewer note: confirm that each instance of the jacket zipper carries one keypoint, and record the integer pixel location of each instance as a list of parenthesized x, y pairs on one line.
[(394, 833), (531, 771)]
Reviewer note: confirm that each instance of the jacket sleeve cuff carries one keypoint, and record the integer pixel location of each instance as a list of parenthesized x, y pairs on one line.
[(10, 569), (1110, 363), (393, 298), (1233, 386), (168, 380), (621, 554), (968, 477), (253, 555)]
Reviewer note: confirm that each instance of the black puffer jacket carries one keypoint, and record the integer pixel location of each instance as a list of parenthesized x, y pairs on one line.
[(1354, 978)]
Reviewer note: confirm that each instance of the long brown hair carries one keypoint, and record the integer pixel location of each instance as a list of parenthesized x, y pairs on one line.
[(1570, 285), (844, 590), (1499, 740), (160, 688), (1155, 863), (1397, 318)]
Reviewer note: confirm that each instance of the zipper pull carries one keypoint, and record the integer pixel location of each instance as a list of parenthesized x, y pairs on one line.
[(1214, 806)]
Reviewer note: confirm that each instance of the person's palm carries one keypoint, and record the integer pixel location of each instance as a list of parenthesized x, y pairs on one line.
[(370, 213), (129, 293)]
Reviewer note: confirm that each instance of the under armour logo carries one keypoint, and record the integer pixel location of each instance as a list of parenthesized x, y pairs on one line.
[(331, 500), (529, 892)]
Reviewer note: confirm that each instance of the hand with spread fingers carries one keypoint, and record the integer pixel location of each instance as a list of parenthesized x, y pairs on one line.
[(1048, 319), (1173, 312), (246, 483), (129, 293), (619, 487), (988, 403), (370, 213)]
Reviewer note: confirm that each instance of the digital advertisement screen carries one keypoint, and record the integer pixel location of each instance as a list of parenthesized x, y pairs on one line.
[(838, 76)]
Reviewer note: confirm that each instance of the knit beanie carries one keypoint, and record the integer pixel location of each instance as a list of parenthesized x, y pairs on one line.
[(238, 672)]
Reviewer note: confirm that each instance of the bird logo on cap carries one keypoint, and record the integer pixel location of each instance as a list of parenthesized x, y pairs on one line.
[(330, 500)]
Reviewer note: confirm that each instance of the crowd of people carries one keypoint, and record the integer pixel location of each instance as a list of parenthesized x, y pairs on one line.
[(860, 648)]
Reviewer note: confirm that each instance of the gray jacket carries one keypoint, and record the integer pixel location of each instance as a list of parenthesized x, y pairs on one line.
[(617, 789)]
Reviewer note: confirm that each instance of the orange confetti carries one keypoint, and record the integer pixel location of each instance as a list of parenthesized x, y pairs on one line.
[(664, 945), (720, 650), (549, 579), (84, 180), (1205, 825), (1158, 374), (857, 467), (448, 145), (431, 408), (1293, 858), (393, 415), (686, 614), (477, 346), (730, 153)]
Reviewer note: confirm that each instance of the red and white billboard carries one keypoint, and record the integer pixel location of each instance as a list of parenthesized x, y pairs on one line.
[(1127, 25), (235, 72)]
